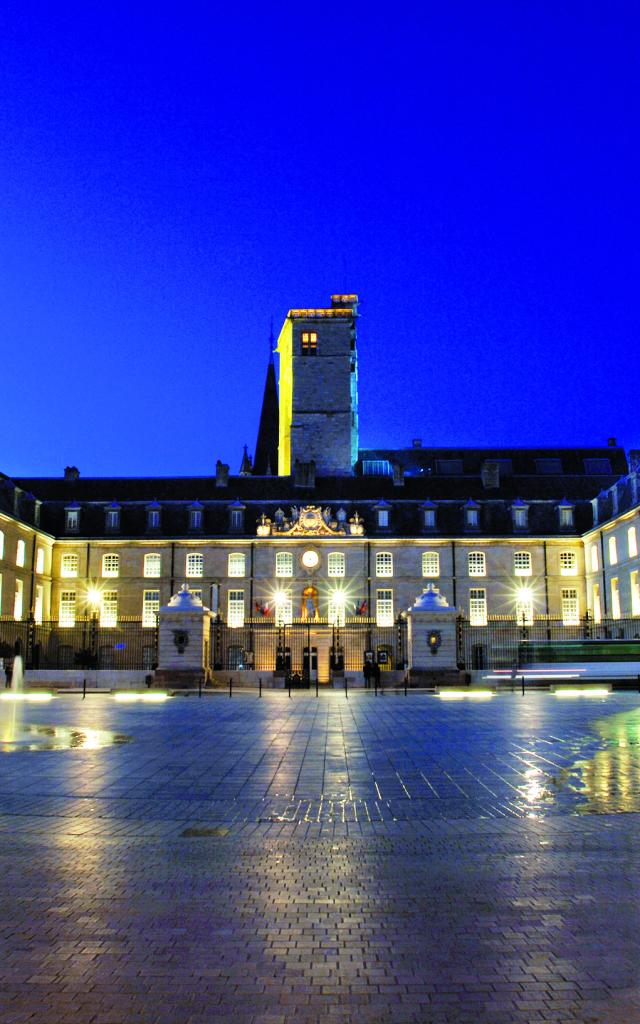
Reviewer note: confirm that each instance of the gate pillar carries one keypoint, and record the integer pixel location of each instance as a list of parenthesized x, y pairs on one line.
[(432, 640), (183, 640)]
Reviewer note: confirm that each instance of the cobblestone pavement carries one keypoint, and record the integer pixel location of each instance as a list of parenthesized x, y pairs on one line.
[(371, 859)]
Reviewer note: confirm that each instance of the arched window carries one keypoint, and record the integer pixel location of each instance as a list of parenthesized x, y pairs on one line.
[(236, 564), (111, 565), (476, 563), (336, 564), (284, 564), (152, 566), (384, 563), (194, 565), (430, 564), (522, 563)]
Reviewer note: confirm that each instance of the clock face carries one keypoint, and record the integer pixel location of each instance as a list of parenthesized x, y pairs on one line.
[(310, 559)]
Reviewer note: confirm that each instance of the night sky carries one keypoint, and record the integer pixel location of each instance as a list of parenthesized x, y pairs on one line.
[(172, 179)]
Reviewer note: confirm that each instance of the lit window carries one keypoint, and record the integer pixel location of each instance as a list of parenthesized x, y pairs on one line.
[(520, 514), (153, 518), (284, 564), (430, 564), (336, 564), (1, 543), (597, 610), (38, 603), (594, 558), (236, 564), (478, 607), (67, 608), (150, 607), (112, 520), (522, 563), (524, 607), (111, 565), (336, 609), (384, 563), (109, 608), (152, 566), (284, 609), (632, 541), (194, 566), (476, 563), (384, 608), (383, 518), (195, 518), (69, 565), (17, 600), (20, 553), (565, 516), (635, 592), (613, 551), (235, 616), (309, 343), (568, 563), (376, 467), (569, 607), (72, 520), (40, 560), (429, 518), (615, 599), (0, 593)]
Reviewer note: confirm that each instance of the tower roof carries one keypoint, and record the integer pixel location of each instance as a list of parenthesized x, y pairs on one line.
[(266, 457)]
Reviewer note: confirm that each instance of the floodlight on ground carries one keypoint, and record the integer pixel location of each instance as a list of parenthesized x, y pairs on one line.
[(466, 694), (34, 697), (151, 697)]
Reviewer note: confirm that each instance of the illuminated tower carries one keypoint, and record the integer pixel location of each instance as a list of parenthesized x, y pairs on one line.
[(319, 388)]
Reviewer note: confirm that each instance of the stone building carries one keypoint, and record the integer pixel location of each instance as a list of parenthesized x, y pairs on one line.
[(321, 532)]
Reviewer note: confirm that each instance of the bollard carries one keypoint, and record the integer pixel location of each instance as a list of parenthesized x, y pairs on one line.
[(260, 686), (200, 687), (230, 687), (523, 686), (375, 686), (345, 687), (84, 688), (289, 683), (317, 684), (405, 684)]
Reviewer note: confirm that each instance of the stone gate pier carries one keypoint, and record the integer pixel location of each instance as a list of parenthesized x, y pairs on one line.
[(432, 624), (183, 642)]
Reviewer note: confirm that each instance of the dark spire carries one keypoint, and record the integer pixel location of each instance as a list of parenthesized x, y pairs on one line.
[(266, 460), (245, 468)]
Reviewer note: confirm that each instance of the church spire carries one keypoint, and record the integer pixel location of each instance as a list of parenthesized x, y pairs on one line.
[(267, 444), (245, 468)]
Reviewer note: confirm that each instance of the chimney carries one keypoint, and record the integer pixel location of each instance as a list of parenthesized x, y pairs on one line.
[(222, 474), (612, 443), (71, 473), (490, 475), (417, 442)]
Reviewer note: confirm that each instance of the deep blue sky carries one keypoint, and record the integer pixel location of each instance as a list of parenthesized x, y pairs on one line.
[(171, 179)]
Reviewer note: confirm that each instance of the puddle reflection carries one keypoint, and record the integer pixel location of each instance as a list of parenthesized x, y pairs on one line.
[(59, 737)]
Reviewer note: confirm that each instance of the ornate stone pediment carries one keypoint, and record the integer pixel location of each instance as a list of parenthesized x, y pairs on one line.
[(310, 521)]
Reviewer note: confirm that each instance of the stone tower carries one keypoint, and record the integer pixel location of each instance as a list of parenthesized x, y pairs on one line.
[(319, 388)]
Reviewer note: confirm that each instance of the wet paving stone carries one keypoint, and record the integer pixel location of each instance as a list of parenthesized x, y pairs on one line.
[(275, 860)]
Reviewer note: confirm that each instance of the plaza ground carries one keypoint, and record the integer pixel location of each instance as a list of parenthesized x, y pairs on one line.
[(297, 860)]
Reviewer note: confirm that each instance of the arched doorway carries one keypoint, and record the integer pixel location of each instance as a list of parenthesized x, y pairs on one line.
[(310, 609)]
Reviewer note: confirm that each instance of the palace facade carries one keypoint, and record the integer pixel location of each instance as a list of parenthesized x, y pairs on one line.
[(316, 529)]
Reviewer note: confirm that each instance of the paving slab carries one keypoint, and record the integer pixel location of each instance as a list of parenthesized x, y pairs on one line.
[(285, 860)]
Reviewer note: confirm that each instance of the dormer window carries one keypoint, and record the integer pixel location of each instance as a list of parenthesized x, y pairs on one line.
[(236, 517), (112, 519), (520, 515), (472, 515), (382, 515), (309, 343), (195, 517), (72, 518), (153, 517), (429, 515), (565, 516)]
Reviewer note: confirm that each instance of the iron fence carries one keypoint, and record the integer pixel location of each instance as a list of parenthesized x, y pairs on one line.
[(307, 646), (86, 644), (496, 645)]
